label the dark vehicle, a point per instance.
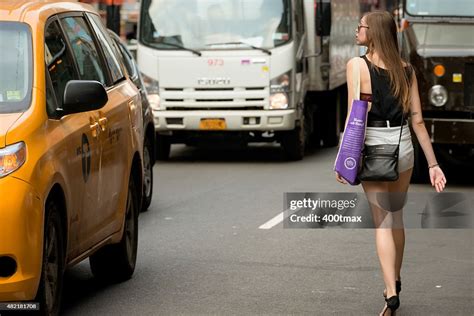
(148, 124)
(438, 40)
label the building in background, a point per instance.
(121, 16)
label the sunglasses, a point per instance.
(359, 26)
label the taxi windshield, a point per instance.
(215, 24)
(15, 67)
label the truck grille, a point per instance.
(238, 98)
(469, 85)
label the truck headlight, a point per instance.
(438, 95)
(11, 158)
(153, 91)
(280, 92)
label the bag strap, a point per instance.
(401, 128)
(356, 80)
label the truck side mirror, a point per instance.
(323, 18)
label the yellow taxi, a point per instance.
(71, 148)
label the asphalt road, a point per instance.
(201, 250)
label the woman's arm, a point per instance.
(418, 124)
(350, 97)
(350, 86)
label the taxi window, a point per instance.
(108, 47)
(84, 49)
(15, 67)
(59, 62)
(126, 58)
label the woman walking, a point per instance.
(390, 86)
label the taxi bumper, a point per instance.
(21, 239)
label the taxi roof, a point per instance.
(18, 10)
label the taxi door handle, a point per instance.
(103, 123)
(94, 126)
(132, 106)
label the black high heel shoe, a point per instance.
(393, 303)
(398, 288)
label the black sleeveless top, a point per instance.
(385, 106)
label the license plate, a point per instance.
(212, 124)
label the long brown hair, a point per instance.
(382, 38)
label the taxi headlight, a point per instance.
(280, 92)
(11, 158)
(438, 95)
(152, 90)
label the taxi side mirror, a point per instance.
(83, 95)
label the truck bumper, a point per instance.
(264, 120)
(21, 239)
(451, 131)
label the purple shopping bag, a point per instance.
(350, 150)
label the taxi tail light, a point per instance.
(11, 158)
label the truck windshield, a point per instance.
(447, 35)
(15, 67)
(440, 7)
(199, 24)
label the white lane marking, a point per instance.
(277, 219)
(273, 222)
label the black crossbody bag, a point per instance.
(380, 162)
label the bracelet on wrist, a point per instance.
(433, 165)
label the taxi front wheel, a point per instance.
(116, 263)
(52, 271)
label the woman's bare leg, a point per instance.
(398, 231)
(385, 243)
(386, 201)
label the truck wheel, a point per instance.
(293, 143)
(420, 169)
(116, 263)
(163, 146)
(52, 268)
(148, 174)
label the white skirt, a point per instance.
(390, 135)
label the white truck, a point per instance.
(252, 70)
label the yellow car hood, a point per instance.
(6, 121)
